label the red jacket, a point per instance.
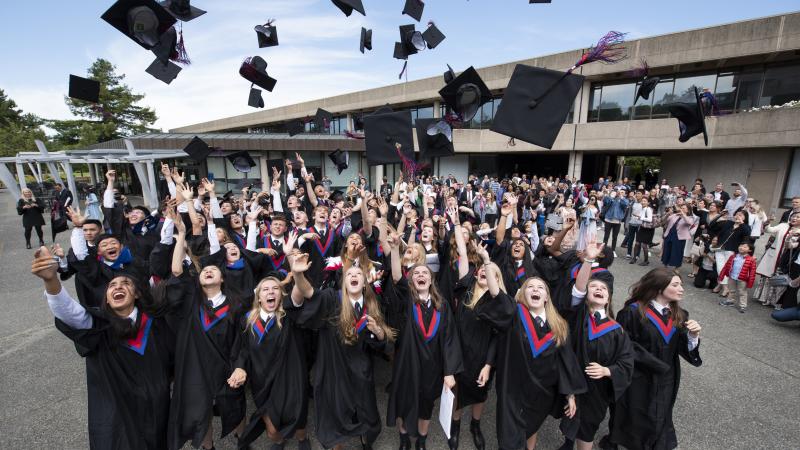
(748, 272)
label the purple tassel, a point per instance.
(642, 70)
(180, 48)
(609, 50)
(431, 23)
(353, 135)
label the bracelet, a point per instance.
(589, 260)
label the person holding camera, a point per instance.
(31, 209)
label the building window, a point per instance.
(685, 86)
(781, 85)
(662, 96)
(617, 102)
(594, 103)
(792, 188)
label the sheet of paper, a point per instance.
(446, 410)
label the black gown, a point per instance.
(513, 274)
(533, 374)
(345, 405)
(605, 343)
(128, 381)
(478, 341)
(204, 360)
(427, 350)
(643, 415)
(275, 363)
(243, 276)
(329, 244)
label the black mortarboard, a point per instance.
(255, 100)
(366, 39)
(433, 36)
(691, 120)
(539, 1)
(197, 149)
(411, 42)
(164, 72)
(645, 88)
(84, 89)
(322, 119)
(358, 121)
(267, 35)
(347, 6)
(382, 132)
(450, 75)
(254, 70)
(294, 127)
(144, 21)
(466, 93)
(182, 10)
(413, 8)
(340, 159)
(166, 45)
(535, 104)
(433, 139)
(241, 161)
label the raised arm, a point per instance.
(397, 267)
(505, 212)
(108, 194)
(302, 288)
(64, 307)
(461, 246)
(179, 252)
(365, 197)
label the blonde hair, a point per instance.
(362, 259)
(557, 323)
(255, 311)
(420, 261)
(33, 197)
(347, 314)
(477, 292)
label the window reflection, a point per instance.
(616, 102)
(748, 91)
(642, 107)
(594, 103)
(662, 96)
(684, 86)
(781, 85)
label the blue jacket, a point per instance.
(615, 208)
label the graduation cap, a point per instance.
(539, 1)
(84, 89)
(366, 39)
(646, 87)
(322, 119)
(413, 8)
(254, 70)
(255, 100)
(383, 131)
(267, 35)
(358, 121)
(340, 159)
(294, 127)
(197, 149)
(691, 120)
(144, 21)
(165, 72)
(449, 75)
(347, 6)
(411, 42)
(182, 10)
(165, 48)
(434, 138)
(466, 94)
(241, 161)
(433, 36)
(535, 104)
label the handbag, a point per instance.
(779, 280)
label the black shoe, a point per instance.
(606, 443)
(632, 260)
(305, 444)
(405, 441)
(568, 444)
(421, 442)
(28, 245)
(477, 434)
(455, 430)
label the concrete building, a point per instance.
(747, 65)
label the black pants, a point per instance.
(704, 275)
(611, 228)
(630, 238)
(38, 233)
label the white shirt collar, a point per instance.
(426, 302)
(543, 316)
(601, 311)
(359, 300)
(217, 300)
(134, 314)
(265, 316)
(658, 306)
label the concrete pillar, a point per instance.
(350, 125)
(264, 172)
(53, 168)
(36, 171)
(141, 173)
(378, 180)
(575, 164)
(92, 174)
(8, 179)
(21, 176)
(582, 103)
(437, 109)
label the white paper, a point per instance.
(446, 410)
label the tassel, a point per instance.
(511, 142)
(452, 119)
(405, 65)
(181, 56)
(608, 49)
(642, 70)
(353, 135)
(410, 166)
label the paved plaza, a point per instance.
(745, 395)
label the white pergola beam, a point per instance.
(10, 182)
(53, 169)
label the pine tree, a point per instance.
(17, 129)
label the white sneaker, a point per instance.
(615, 254)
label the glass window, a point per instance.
(571, 113)
(594, 103)
(792, 188)
(487, 114)
(748, 91)
(617, 102)
(781, 85)
(216, 170)
(425, 112)
(662, 96)
(642, 107)
(341, 180)
(725, 92)
(684, 87)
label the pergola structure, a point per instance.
(143, 162)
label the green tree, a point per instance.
(17, 129)
(116, 115)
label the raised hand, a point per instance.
(453, 214)
(253, 215)
(176, 176)
(481, 251)
(291, 239)
(383, 207)
(299, 159)
(44, 266)
(298, 261)
(592, 250)
(75, 216)
(57, 250)
(111, 176)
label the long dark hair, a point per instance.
(121, 327)
(650, 286)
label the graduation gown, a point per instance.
(533, 374)
(427, 351)
(95, 274)
(643, 415)
(128, 381)
(140, 239)
(478, 342)
(345, 405)
(241, 277)
(605, 343)
(277, 374)
(513, 274)
(328, 245)
(204, 360)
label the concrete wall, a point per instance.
(458, 165)
(763, 172)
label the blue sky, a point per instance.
(45, 41)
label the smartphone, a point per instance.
(210, 176)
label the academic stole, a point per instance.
(139, 343)
(323, 250)
(361, 323)
(538, 346)
(666, 330)
(261, 329)
(276, 262)
(209, 321)
(596, 331)
(433, 328)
